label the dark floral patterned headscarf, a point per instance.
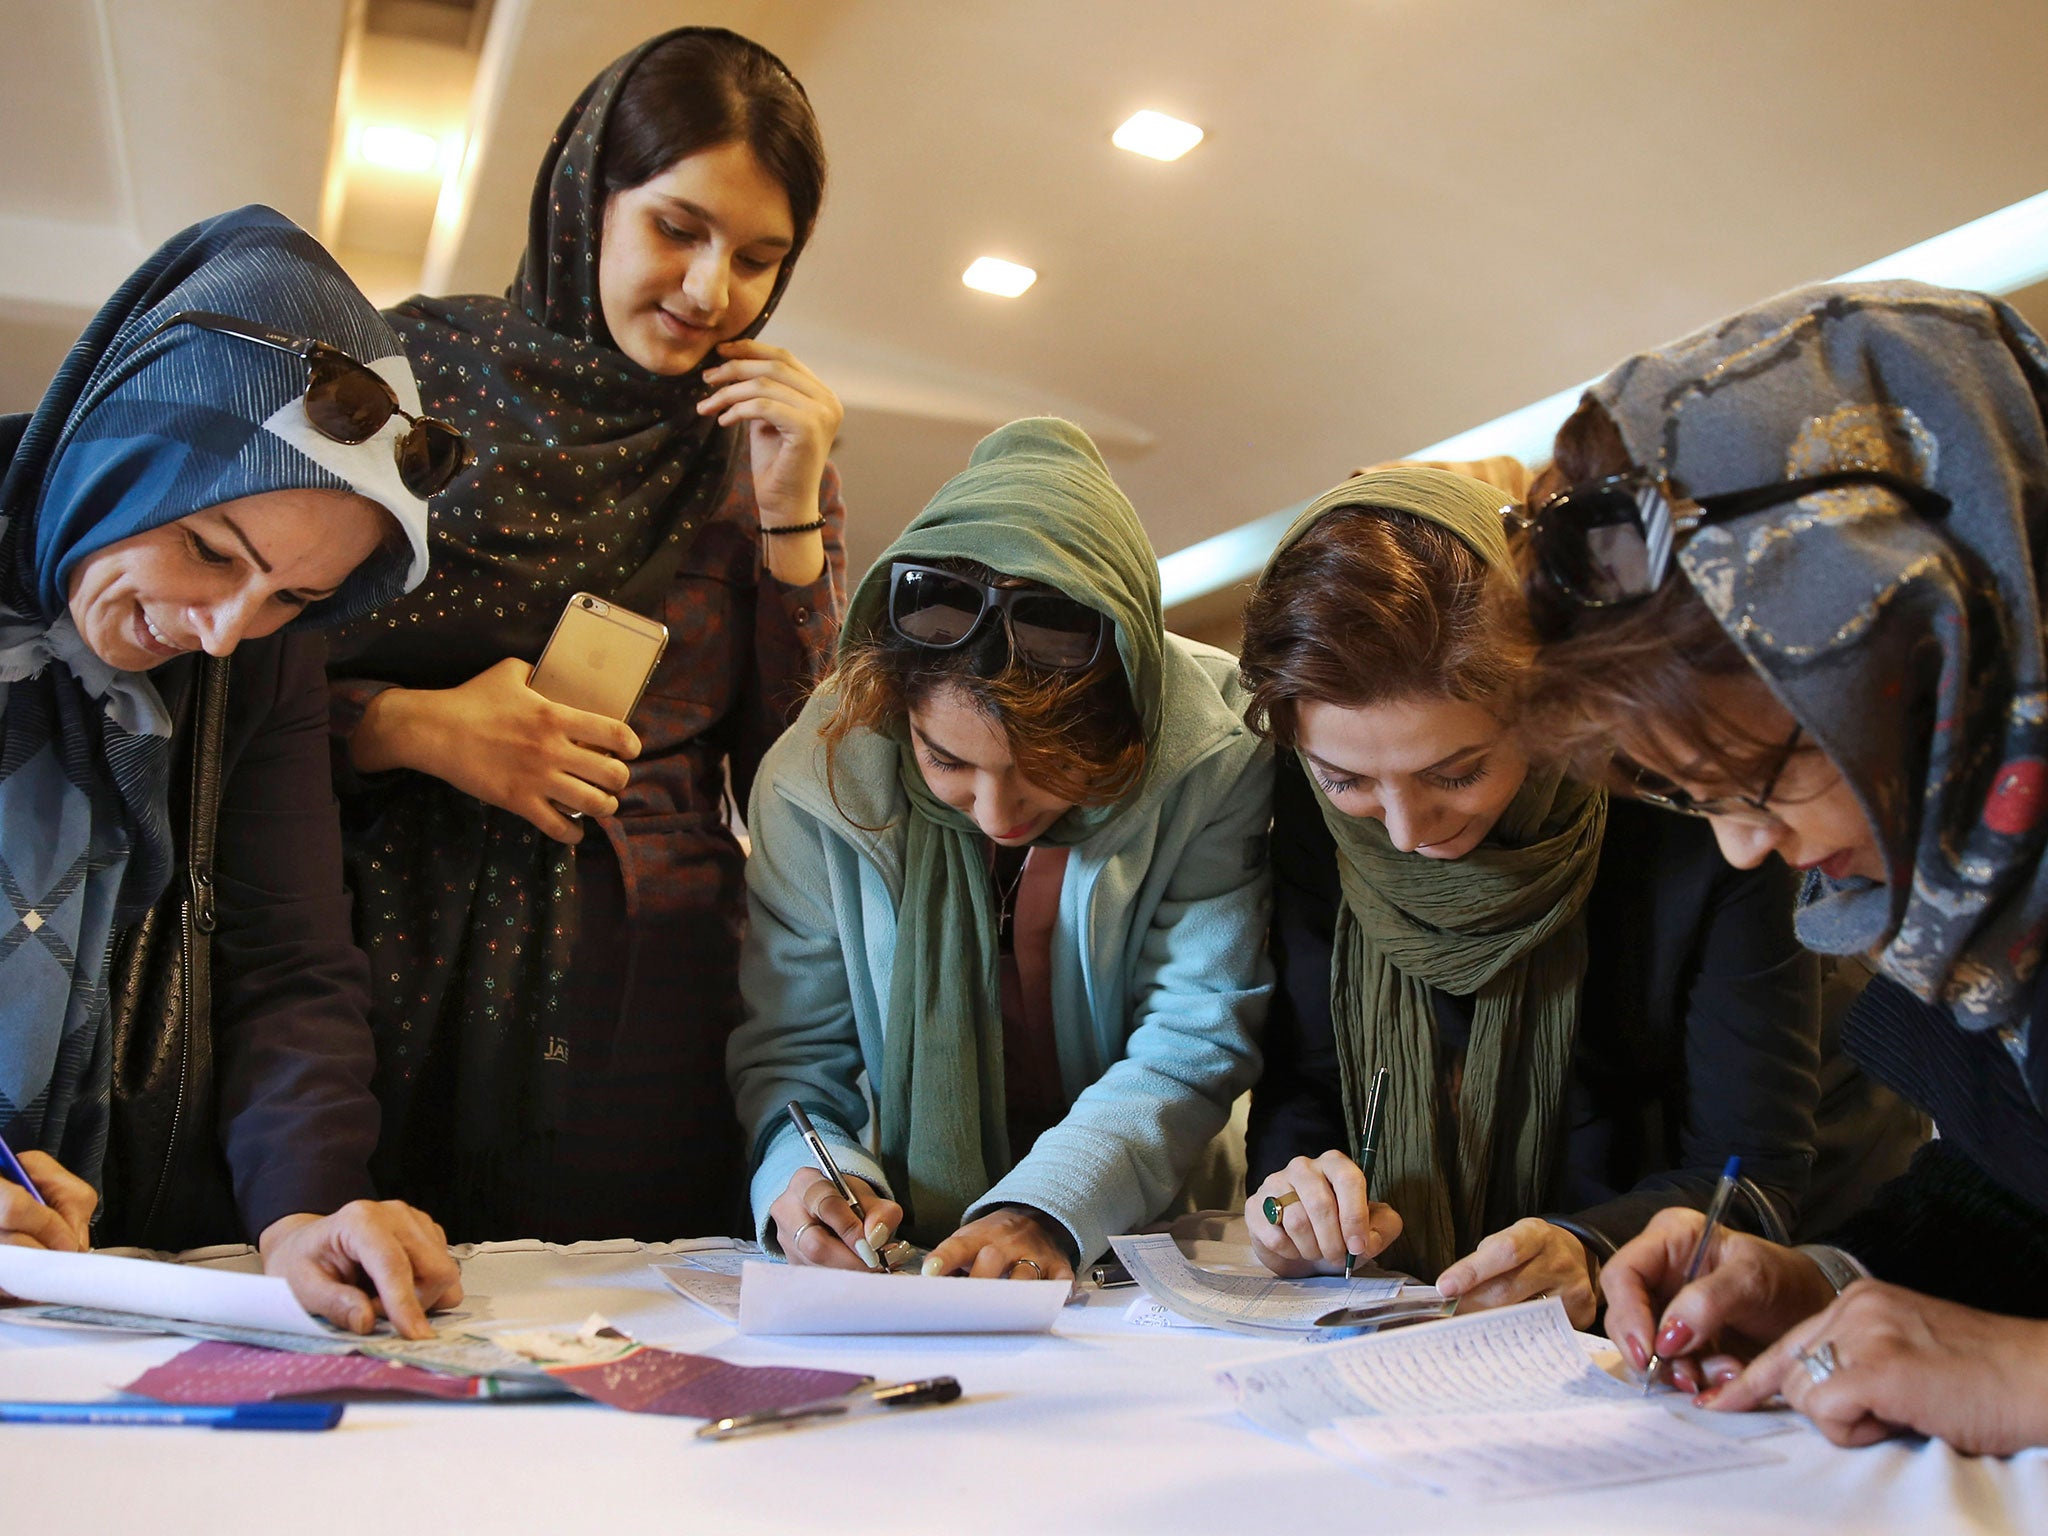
(1910, 650)
(586, 463)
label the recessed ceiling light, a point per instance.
(398, 149)
(1156, 135)
(992, 274)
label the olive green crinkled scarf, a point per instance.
(1504, 925)
(1035, 501)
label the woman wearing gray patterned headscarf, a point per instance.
(1788, 573)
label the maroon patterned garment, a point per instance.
(551, 1021)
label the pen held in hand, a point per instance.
(1369, 1147)
(10, 1167)
(1717, 1210)
(822, 1156)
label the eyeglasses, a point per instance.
(943, 610)
(1609, 544)
(350, 402)
(1654, 789)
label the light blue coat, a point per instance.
(1159, 969)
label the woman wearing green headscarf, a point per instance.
(1583, 1011)
(1009, 867)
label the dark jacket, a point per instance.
(1969, 1220)
(1698, 1024)
(290, 989)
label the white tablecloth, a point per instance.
(1097, 1427)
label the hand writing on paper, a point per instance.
(369, 1256)
(65, 1224)
(1749, 1293)
(814, 1226)
(495, 738)
(1328, 1218)
(1529, 1259)
(1014, 1243)
(1908, 1363)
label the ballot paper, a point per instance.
(1525, 1357)
(803, 1298)
(147, 1288)
(716, 1290)
(1493, 1405)
(1515, 1455)
(1259, 1304)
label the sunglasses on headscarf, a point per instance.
(942, 610)
(350, 402)
(1610, 544)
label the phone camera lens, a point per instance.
(590, 602)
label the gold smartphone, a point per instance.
(600, 657)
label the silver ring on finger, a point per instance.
(797, 1236)
(1036, 1272)
(1820, 1361)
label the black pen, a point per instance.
(900, 1395)
(1369, 1147)
(823, 1157)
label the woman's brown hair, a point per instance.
(1628, 678)
(1372, 605)
(1073, 734)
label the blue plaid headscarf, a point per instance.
(138, 430)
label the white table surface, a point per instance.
(1096, 1427)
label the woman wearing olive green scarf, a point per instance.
(1582, 1009)
(1009, 868)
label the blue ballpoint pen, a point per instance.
(10, 1165)
(1717, 1208)
(204, 1416)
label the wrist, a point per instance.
(788, 515)
(388, 735)
(282, 1228)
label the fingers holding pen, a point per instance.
(815, 1226)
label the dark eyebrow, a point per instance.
(1451, 757)
(1331, 768)
(310, 594)
(773, 242)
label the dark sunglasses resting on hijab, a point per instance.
(1906, 642)
(172, 494)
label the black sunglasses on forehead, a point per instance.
(942, 610)
(350, 402)
(1611, 543)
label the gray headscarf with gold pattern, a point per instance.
(1910, 649)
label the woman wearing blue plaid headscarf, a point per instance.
(189, 485)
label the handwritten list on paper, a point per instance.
(1495, 1405)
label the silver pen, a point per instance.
(823, 1158)
(862, 1400)
(1717, 1210)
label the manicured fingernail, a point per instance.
(1676, 1338)
(866, 1250)
(878, 1231)
(1726, 1374)
(1706, 1398)
(1638, 1356)
(931, 1265)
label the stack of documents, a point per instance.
(1491, 1406)
(1256, 1303)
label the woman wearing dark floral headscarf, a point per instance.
(193, 483)
(1794, 576)
(553, 995)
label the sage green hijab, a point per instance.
(1503, 925)
(1035, 501)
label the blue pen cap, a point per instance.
(1733, 1169)
(282, 1416)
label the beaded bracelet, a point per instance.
(810, 527)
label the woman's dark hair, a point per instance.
(1372, 605)
(1076, 735)
(709, 87)
(1626, 678)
